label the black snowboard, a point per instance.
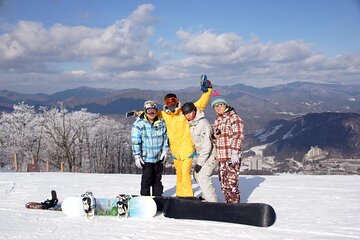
(254, 214)
(162, 201)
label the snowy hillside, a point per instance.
(308, 207)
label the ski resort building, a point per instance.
(315, 153)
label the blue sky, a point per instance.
(49, 46)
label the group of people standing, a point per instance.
(183, 131)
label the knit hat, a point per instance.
(150, 104)
(217, 98)
(170, 95)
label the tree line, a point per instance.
(79, 141)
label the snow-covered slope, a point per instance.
(308, 207)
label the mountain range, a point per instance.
(257, 106)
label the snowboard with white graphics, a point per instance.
(141, 206)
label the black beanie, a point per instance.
(169, 95)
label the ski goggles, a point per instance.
(219, 105)
(171, 101)
(151, 111)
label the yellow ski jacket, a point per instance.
(178, 129)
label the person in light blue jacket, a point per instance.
(149, 141)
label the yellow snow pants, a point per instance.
(183, 177)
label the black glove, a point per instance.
(216, 134)
(131, 114)
(197, 168)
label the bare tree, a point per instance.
(63, 131)
(84, 141)
(19, 134)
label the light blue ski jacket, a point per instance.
(148, 139)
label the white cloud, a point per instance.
(79, 73)
(125, 44)
(228, 57)
(9, 48)
(121, 55)
(207, 43)
(290, 51)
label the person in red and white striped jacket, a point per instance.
(228, 137)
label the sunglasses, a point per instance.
(151, 111)
(171, 101)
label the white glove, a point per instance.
(163, 155)
(139, 161)
(235, 158)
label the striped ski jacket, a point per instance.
(148, 139)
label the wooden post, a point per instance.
(47, 166)
(62, 166)
(15, 162)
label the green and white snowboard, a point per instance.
(140, 206)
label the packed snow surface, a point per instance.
(307, 207)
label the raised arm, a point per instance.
(202, 102)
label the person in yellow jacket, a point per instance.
(180, 141)
(181, 145)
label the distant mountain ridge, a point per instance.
(257, 106)
(336, 133)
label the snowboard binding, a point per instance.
(88, 201)
(123, 204)
(50, 203)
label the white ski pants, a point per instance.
(203, 178)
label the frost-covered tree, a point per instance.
(62, 131)
(20, 133)
(83, 141)
(84, 123)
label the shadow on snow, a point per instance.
(247, 185)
